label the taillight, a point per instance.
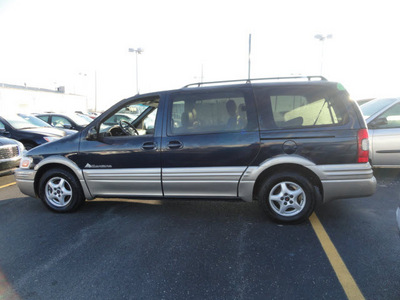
(363, 146)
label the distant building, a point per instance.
(15, 99)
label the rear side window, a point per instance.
(297, 107)
(210, 113)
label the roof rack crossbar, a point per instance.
(309, 78)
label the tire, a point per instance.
(29, 146)
(60, 191)
(287, 197)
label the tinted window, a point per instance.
(209, 112)
(44, 118)
(59, 121)
(297, 107)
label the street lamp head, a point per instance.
(321, 37)
(138, 50)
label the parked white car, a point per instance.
(383, 120)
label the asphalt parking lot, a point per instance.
(199, 249)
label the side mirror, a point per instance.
(92, 134)
(67, 126)
(378, 123)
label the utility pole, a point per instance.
(136, 51)
(248, 76)
(322, 39)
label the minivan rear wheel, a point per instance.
(287, 197)
(60, 191)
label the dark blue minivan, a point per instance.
(289, 143)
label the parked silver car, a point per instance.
(383, 120)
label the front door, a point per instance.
(124, 160)
(209, 140)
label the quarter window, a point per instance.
(300, 107)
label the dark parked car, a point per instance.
(38, 122)
(10, 154)
(68, 121)
(29, 134)
(383, 120)
(290, 144)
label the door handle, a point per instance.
(149, 146)
(175, 145)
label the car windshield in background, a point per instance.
(34, 120)
(80, 120)
(372, 107)
(19, 122)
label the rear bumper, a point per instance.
(346, 181)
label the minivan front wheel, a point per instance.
(287, 197)
(60, 191)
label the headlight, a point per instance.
(25, 162)
(51, 138)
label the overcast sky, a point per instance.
(49, 43)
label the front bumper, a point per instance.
(25, 179)
(8, 165)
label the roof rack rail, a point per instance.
(309, 78)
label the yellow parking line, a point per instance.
(346, 280)
(6, 185)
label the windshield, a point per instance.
(19, 122)
(372, 107)
(34, 120)
(80, 120)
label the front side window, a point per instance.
(59, 121)
(208, 113)
(299, 107)
(134, 118)
(390, 118)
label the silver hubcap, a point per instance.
(287, 198)
(58, 192)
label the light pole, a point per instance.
(322, 39)
(136, 51)
(95, 89)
